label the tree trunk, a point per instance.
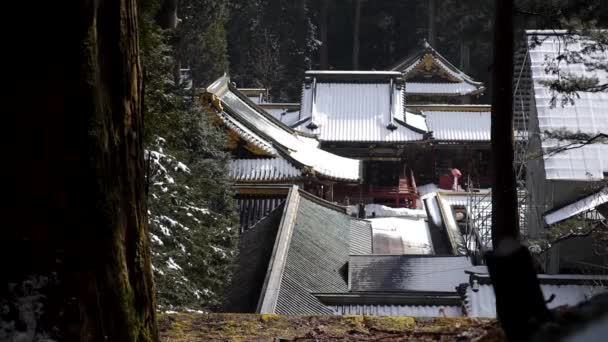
(520, 305)
(356, 25)
(324, 51)
(505, 223)
(76, 226)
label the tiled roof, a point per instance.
(399, 310)
(459, 125)
(263, 169)
(316, 258)
(355, 110)
(255, 249)
(360, 237)
(293, 146)
(247, 134)
(310, 255)
(587, 115)
(387, 273)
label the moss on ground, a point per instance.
(248, 327)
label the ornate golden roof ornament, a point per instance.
(427, 62)
(209, 100)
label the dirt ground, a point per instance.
(248, 327)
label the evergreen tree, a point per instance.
(190, 207)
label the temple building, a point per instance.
(370, 196)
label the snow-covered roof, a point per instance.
(263, 169)
(356, 109)
(480, 300)
(456, 88)
(459, 125)
(287, 113)
(587, 115)
(401, 235)
(291, 145)
(457, 82)
(581, 206)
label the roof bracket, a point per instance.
(391, 126)
(312, 125)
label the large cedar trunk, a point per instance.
(520, 305)
(74, 243)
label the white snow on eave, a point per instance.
(301, 149)
(416, 120)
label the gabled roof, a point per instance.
(301, 150)
(587, 116)
(310, 255)
(355, 106)
(427, 59)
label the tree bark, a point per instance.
(505, 223)
(324, 50)
(76, 223)
(520, 305)
(356, 25)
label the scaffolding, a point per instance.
(522, 103)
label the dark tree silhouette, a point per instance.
(74, 244)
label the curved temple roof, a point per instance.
(296, 147)
(459, 83)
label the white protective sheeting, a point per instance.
(399, 310)
(459, 125)
(586, 204)
(587, 115)
(482, 303)
(263, 169)
(355, 112)
(460, 88)
(400, 235)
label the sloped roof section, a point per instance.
(389, 273)
(263, 169)
(355, 106)
(456, 126)
(586, 116)
(457, 82)
(295, 147)
(310, 256)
